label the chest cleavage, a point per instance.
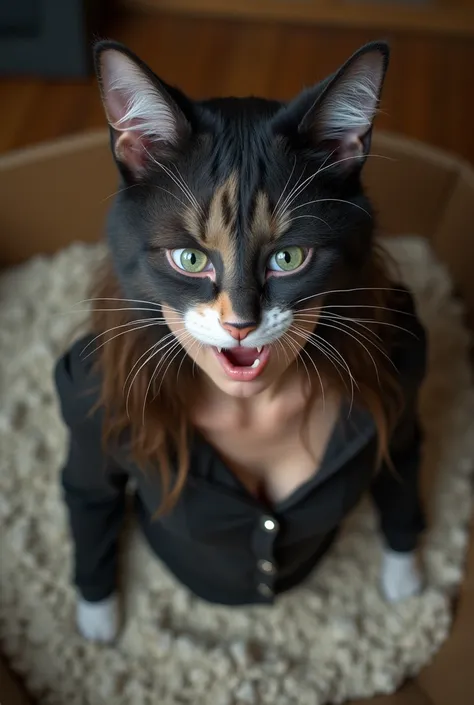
(272, 460)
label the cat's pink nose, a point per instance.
(239, 331)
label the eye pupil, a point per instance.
(193, 261)
(288, 260)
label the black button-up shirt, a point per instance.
(219, 540)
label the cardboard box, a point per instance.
(53, 194)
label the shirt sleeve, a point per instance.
(93, 484)
(395, 489)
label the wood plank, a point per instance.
(59, 108)
(427, 94)
(258, 46)
(17, 99)
(445, 16)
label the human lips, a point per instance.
(243, 364)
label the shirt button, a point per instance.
(266, 567)
(265, 590)
(269, 524)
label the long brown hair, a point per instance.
(153, 412)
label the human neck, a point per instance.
(291, 381)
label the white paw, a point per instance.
(98, 621)
(401, 576)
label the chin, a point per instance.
(241, 390)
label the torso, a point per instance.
(270, 454)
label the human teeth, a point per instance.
(259, 350)
(219, 350)
(256, 362)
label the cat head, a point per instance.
(235, 213)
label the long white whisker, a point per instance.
(324, 168)
(327, 159)
(349, 291)
(315, 217)
(115, 193)
(290, 194)
(284, 188)
(137, 362)
(284, 351)
(351, 335)
(147, 391)
(335, 318)
(112, 298)
(186, 353)
(124, 332)
(299, 187)
(105, 310)
(293, 346)
(296, 349)
(172, 176)
(331, 200)
(150, 382)
(300, 349)
(381, 308)
(334, 352)
(160, 345)
(308, 339)
(346, 326)
(347, 159)
(296, 191)
(277, 350)
(168, 353)
(318, 342)
(361, 321)
(154, 351)
(150, 357)
(378, 323)
(172, 346)
(200, 346)
(172, 194)
(133, 323)
(334, 356)
(126, 188)
(185, 185)
(171, 360)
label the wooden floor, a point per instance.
(428, 92)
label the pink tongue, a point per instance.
(241, 357)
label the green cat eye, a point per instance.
(287, 260)
(190, 260)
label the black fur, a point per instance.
(262, 141)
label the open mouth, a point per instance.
(243, 364)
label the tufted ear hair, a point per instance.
(144, 118)
(337, 116)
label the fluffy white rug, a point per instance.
(332, 639)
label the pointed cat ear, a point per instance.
(144, 118)
(340, 119)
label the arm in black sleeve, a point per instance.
(93, 485)
(395, 489)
